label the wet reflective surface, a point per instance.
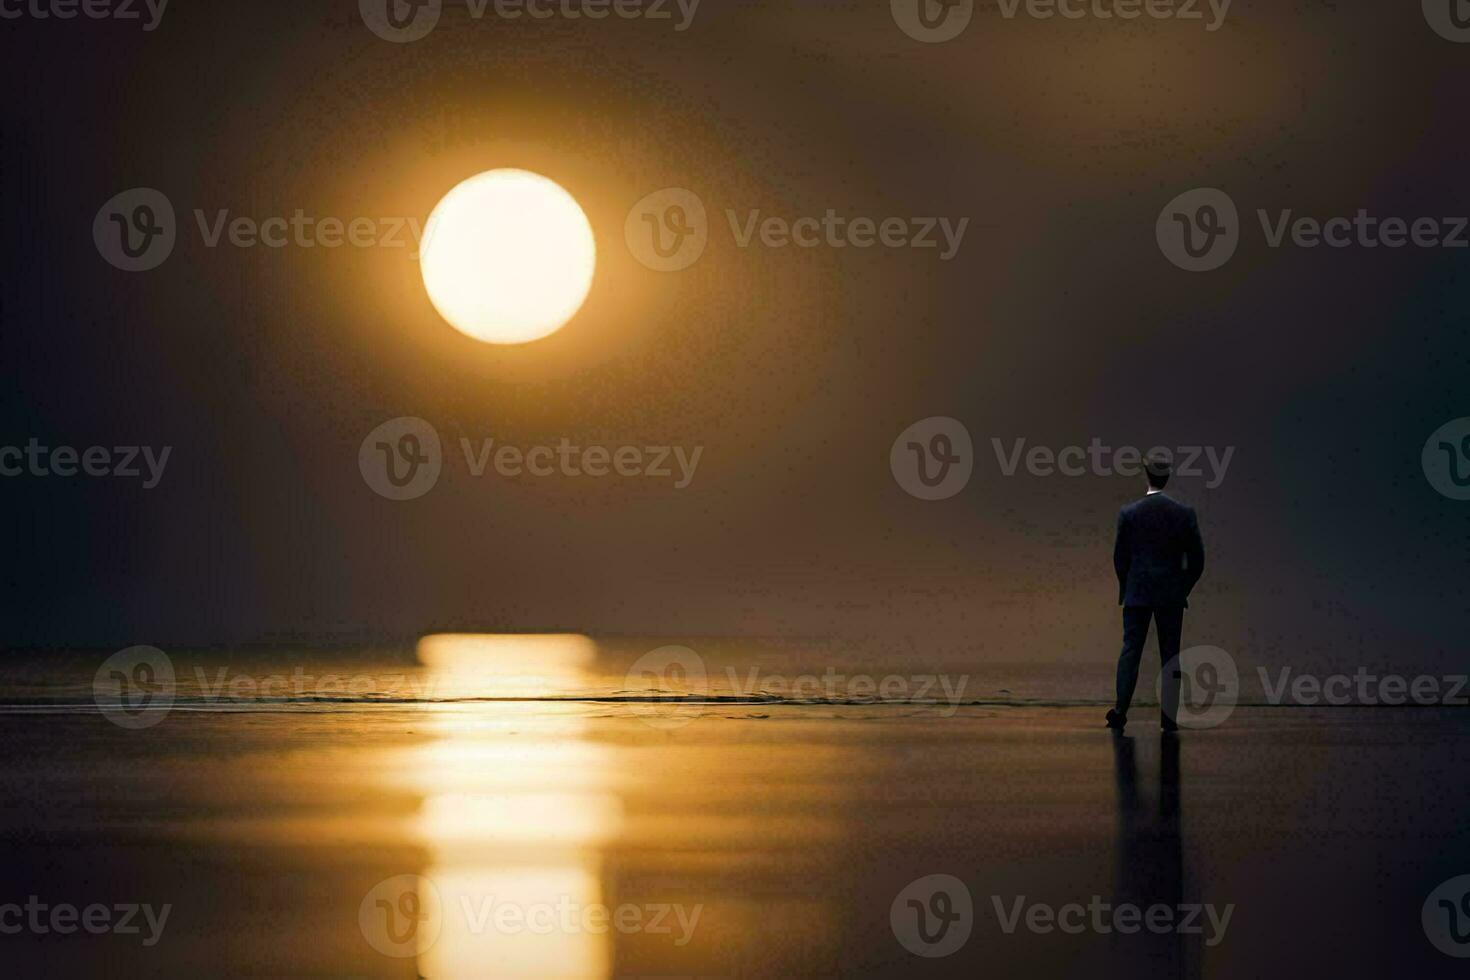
(600, 838)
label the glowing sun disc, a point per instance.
(508, 257)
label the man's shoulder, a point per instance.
(1178, 506)
(1181, 505)
(1155, 502)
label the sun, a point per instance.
(508, 257)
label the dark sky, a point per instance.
(1059, 320)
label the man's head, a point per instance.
(1158, 467)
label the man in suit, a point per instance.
(1159, 557)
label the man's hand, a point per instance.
(1122, 556)
(1194, 551)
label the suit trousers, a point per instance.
(1135, 633)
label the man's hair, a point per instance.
(1158, 466)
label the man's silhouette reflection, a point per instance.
(1150, 855)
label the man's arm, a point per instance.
(1194, 550)
(1122, 555)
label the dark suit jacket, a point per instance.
(1159, 555)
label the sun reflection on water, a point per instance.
(477, 665)
(517, 804)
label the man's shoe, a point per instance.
(1168, 725)
(1116, 721)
